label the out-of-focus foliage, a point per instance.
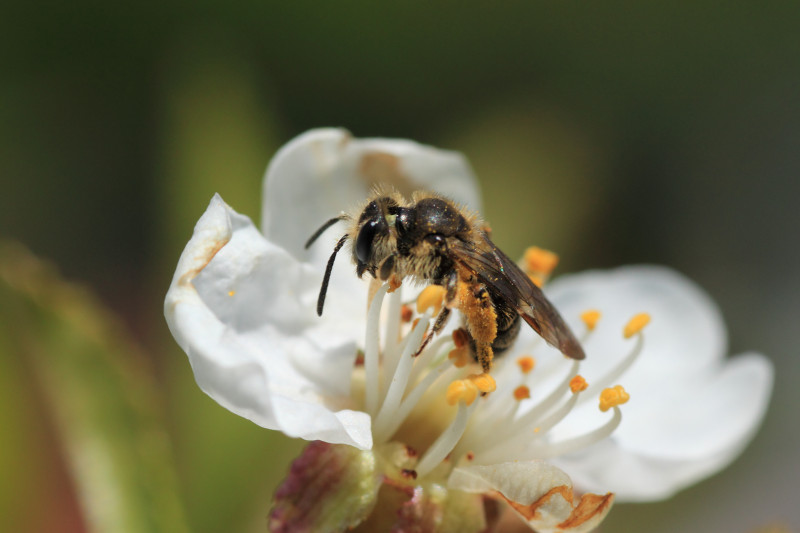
(101, 402)
(613, 132)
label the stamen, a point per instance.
(613, 397)
(460, 356)
(391, 343)
(636, 324)
(540, 261)
(461, 390)
(399, 382)
(446, 441)
(394, 283)
(578, 384)
(590, 318)
(526, 363)
(431, 296)
(614, 374)
(580, 442)
(522, 393)
(536, 280)
(406, 313)
(460, 337)
(484, 382)
(371, 355)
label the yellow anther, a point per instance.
(578, 384)
(461, 390)
(613, 397)
(590, 317)
(431, 296)
(460, 337)
(636, 324)
(540, 261)
(231, 293)
(537, 280)
(526, 363)
(522, 393)
(459, 356)
(484, 382)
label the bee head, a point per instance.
(372, 241)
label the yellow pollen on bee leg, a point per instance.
(431, 296)
(590, 317)
(636, 324)
(578, 384)
(461, 390)
(526, 363)
(539, 260)
(522, 393)
(459, 356)
(612, 397)
(484, 382)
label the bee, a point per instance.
(431, 239)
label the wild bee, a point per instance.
(433, 240)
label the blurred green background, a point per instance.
(619, 132)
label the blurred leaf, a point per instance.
(103, 405)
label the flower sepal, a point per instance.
(335, 488)
(330, 487)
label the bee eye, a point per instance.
(365, 238)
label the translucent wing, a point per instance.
(494, 269)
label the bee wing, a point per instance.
(494, 269)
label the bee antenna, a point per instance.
(322, 229)
(324, 289)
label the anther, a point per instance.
(394, 283)
(522, 393)
(578, 384)
(540, 261)
(460, 337)
(612, 397)
(590, 318)
(461, 390)
(484, 382)
(431, 296)
(636, 324)
(406, 313)
(537, 280)
(459, 356)
(231, 293)
(526, 363)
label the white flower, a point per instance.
(242, 306)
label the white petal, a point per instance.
(322, 172)
(697, 431)
(538, 491)
(242, 309)
(686, 333)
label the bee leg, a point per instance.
(451, 289)
(450, 285)
(441, 321)
(481, 321)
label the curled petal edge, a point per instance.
(539, 492)
(224, 368)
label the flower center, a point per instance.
(438, 402)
